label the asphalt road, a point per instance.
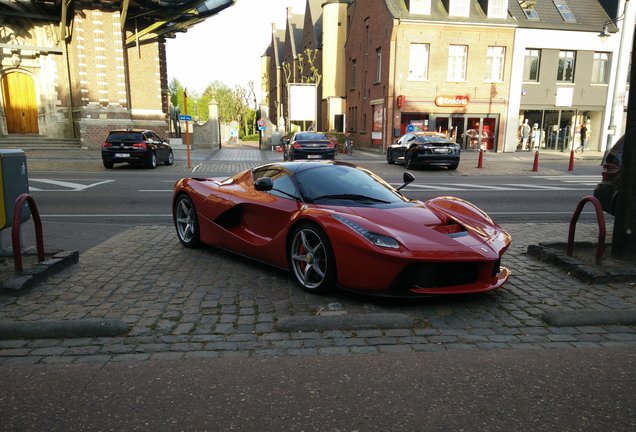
(80, 210)
(504, 390)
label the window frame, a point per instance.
(496, 60)
(561, 69)
(453, 64)
(600, 75)
(378, 65)
(419, 7)
(497, 9)
(459, 8)
(413, 63)
(565, 11)
(528, 78)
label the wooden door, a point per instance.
(20, 106)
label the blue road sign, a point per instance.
(185, 117)
(410, 128)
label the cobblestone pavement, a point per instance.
(184, 303)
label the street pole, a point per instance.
(185, 107)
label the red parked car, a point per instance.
(337, 224)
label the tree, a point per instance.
(624, 236)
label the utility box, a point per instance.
(14, 181)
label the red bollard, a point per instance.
(571, 166)
(480, 161)
(535, 165)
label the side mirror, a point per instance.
(264, 184)
(406, 178)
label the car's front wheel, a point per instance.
(389, 157)
(311, 259)
(186, 222)
(408, 160)
(170, 159)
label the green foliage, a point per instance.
(234, 104)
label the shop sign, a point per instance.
(452, 101)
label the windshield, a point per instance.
(125, 136)
(345, 183)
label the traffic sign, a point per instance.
(410, 128)
(185, 117)
(260, 122)
(261, 128)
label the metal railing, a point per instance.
(600, 219)
(15, 230)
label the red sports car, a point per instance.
(337, 224)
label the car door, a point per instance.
(160, 148)
(267, 215)
(401, 147)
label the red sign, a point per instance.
(452, 101)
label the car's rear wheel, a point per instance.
(186, 222)
(108, 164)
(389, 157)
(311, 259)
(170, 159)
(152, 161)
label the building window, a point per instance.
(564, 10)
(420, 7)
(528, 9)
(459, 8)
(378, 65)
(566, 66)
(600, 67)
(495, 59)
(531, 65)
(457, 55)
(354, 74)
(498, 9)
(418, 61)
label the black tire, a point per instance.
(184, 216)
(453, 167)
(389, 157)
(170, 159)
(311, 259)
(108, 164)
(408, 160)
(152, 161)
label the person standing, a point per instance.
(583, 135)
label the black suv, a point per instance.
(135, 147)
(607, 189)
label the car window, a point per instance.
(431, 139)
(310, 136)
(284, 186)
(615, 155)
(125, 136)
(333, 180)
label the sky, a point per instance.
(228, 46)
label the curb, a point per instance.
(342, 322)
(40, 272)
(554, 253)
(62, 329)
(578, 318)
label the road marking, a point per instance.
(118, 215)
(71, 187)
(155, 190)
(465, 187)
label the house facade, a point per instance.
(75, 70)
(477, 70)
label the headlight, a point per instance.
(375, 238)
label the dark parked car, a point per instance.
(310, 145)
(607, 189)
(136, 147)
(424, 149)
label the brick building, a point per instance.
(71, 71)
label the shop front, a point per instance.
(561, 130)
(470, 131)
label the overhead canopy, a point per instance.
(148, 20)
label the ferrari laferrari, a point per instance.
(334, 224)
